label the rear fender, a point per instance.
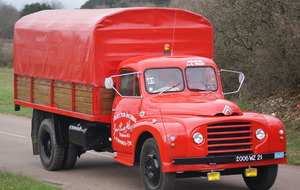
(61, 124)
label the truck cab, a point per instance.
(170, 115)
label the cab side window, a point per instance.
(129, 85)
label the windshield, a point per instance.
(162, 80)
(201, 79)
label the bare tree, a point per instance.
(55, 4)
(8, 16)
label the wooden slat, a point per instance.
(62, 90)
(83, 110)
(62, 101)
(42, 97)
(83, 87)
(107, 96)
(41, 102)
(23, 88)
(106, 91)
(42, 91)
(64, 106)
(104, 107)
(23, 93)
(83, 99)
(23, 83)
(81, 93)
(83, 105)
(62, 84)
(23, 78)
(23, 98)
(41, 87)
(62, 96)
(41, 81)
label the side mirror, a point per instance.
(109, 83)
(241, 80)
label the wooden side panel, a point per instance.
(62, 96)
(107, 97)
(23, 88)
(83, 98)
(41, 91)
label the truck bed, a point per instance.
(72, 99)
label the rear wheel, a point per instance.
(151, 169)
(51, 154)
(70, 158)
(266, 176)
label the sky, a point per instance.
(68, 4)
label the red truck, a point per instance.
(105, 80)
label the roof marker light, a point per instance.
(167, 49)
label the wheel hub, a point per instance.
(47, 145)
(152, 170)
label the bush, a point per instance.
(6, 53)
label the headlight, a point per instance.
(260, 134)
(198, 138)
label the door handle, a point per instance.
(114, 110)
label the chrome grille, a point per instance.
(229, 138)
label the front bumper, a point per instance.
(229, 159)
(223, 162)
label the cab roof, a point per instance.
(160, 61)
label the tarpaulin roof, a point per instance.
(85, 46)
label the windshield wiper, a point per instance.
(166, 90)
(197, 89)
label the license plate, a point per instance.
(213, 176)
(249, 158)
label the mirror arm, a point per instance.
(115, 89)
(241, 82)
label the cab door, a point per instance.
(126, 109)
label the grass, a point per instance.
(6, 95)
(18, 182)
(293, 141)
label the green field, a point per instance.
(17, 182)
(6, 95)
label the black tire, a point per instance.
(266, 176)
(151, 171)
(51, 154)
(70, 159)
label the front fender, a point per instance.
(162, 130)
(277, 141)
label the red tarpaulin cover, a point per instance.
(86, 46)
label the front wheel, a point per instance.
(266, 176)
(151, 170)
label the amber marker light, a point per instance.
(167, 49)
(173, 145)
